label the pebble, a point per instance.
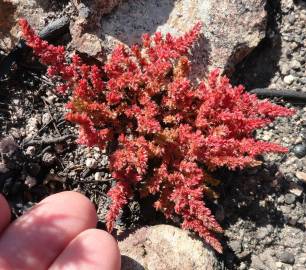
(48, 158)
(295, 65)
(104, 160)
(257, 263)
(32, 125)
(91, 163)
(242, 266)
(299, 150)
(296, 189)
(262, 233)
(289, 79)
(30, 181)
(46, 118)
(97, 156)
(236, 246)
(278, 264)
(287, 257)
(99, 176)
(289, 198)
(30, 151)
(301, 176)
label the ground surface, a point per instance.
(262, 210)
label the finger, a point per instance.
(91, 250)
(5, 213)
(34, 240)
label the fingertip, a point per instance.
(82, 205)
(91, 249)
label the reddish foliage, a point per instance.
(169, 132)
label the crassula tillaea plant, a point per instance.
(167, 133)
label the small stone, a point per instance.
(236, 246)
(267, 135)
(99, 176)
(281, 199)
(278, 264)
(48, 158)
(46, 118)
(289, 79)
(301, 176)
(257, 263)
(285, 69)
(104, 161)
(97, 156)
(287, 257)
(32, 125)
(299, 150)
(30, 151)
(295, 65)
(296, 189)
(291, 18)
(289, 198)
(91, 163)
(242, 266)
(30, 181)
(262, 233)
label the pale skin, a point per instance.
(58, 233)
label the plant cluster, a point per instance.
(167, 133)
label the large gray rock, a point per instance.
(231, 28)
(164, 247)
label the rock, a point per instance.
(242, 266)
(30, 181)
(299, 150)
(99, 176)
(236, 246)
(30, 151)
(32, 126)
(278, 264)
(296, 189)
(91, 163)
(287, 257)
(46, 118)
(48, 158)
(262, 233)
(289, 79)
(93, 10)
(295, 64)
(90, 13)
(231, 29)
(257, 263)
(289, 198)
(164, 247)
(268, 259)
(301, 176)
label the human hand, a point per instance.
(58, 233)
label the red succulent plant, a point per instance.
(168, 132)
